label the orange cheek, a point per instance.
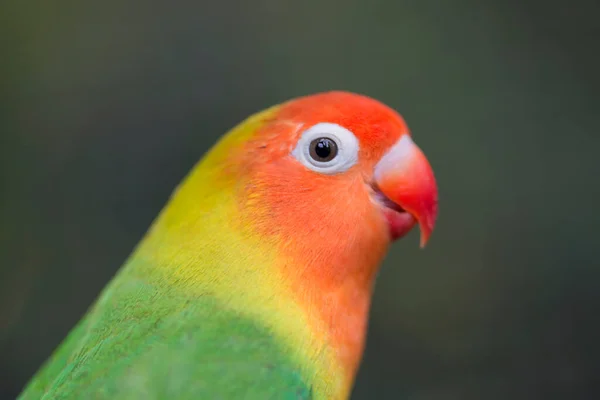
(327, 222)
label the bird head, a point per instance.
(335, 164)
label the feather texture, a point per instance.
(254, 281)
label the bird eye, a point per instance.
(323, 149)
(327, 148)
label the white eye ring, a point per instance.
(346, 142)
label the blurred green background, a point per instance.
(106, 105)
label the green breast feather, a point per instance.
(144, 343)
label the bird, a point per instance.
(255, 280)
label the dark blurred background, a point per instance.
(106, 105)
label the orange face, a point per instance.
(336, 162)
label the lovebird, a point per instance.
(255, 280)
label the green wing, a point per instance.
(138, 342)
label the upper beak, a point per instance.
(405, 177)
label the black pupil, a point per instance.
(323, 148)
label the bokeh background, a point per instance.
(106, 105)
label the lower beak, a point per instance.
(405, 177)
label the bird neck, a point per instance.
(200, 245)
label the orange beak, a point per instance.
(405, 177)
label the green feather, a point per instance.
(142, 342)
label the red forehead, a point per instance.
(374, 124)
